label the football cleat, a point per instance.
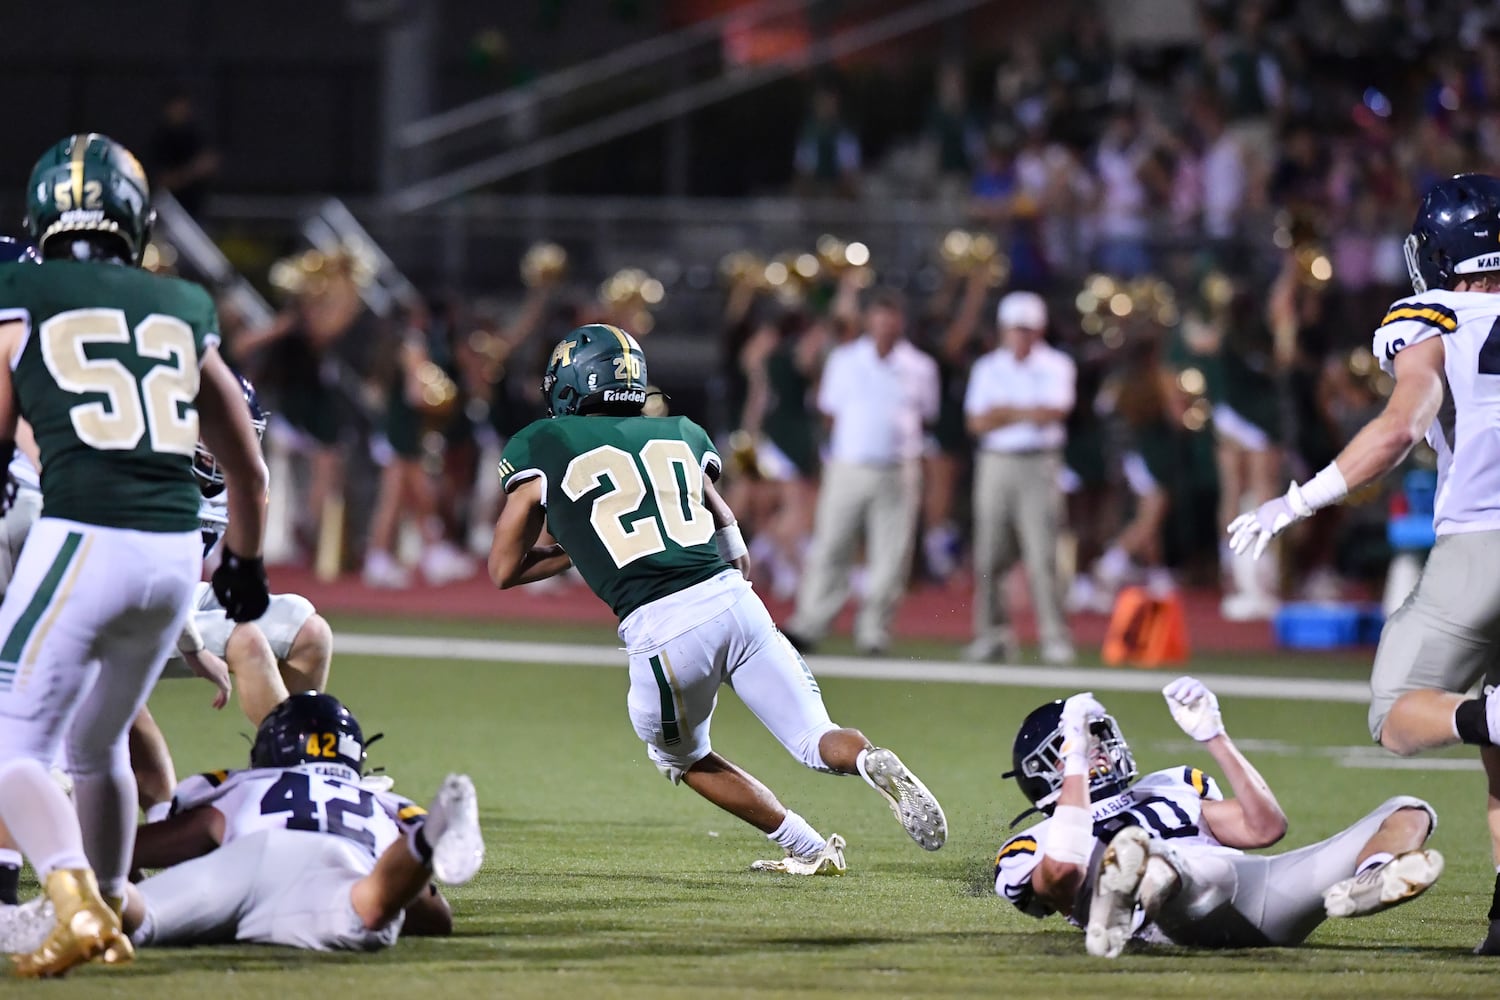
(828, 861)
(23, 928)
(1159, 884)
(1491, 943)
(916, 808)
(86, 927)
(1116, 890)
(452, 831)
(1404, 877)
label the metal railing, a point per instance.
(674, 104)
(331, 226)
(496, 108)
(203, 255)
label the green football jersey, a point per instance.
(107, 377)
(624, 497)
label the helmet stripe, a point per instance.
(75, 167)
(627, 343)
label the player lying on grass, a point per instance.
(1161, 859)
(292, 851)
(631, 501)
(289, 649)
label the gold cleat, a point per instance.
(87, 928)
(121, 951)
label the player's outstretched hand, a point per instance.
(1078, 711)
(1081, 709)
(1194, 708)
(241, 587)
(1252, 532)
(214, 670)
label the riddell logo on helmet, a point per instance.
(624, 395)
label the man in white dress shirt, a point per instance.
(1019, 396)
(878, 392)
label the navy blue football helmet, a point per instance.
(205, 467)
(1038, 766)
(15, 250)
(309, 728)
(1457, 232)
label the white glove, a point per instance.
(1195, 708)
(1252, 532)
(1078, 711)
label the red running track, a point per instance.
(927, 612)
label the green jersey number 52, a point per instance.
(120, 421)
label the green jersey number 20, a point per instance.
(675, 479)
(119, 422)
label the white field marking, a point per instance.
(1064, 679)
(1060, 679)
(1367, 758)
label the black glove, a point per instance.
(241, 587)
(8, 491)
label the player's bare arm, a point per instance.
(190, 834)
(726, 530)
(429, 915)
(1055, 880)
(1252, 818)
(515, 557)
(1070, 839)
(1384, 442)
(1378, 448)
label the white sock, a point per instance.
(1375, 861)
(10, 858)
(1492, 714)
(105, 799)
(40, 817)
(797, 837)
(158, 812)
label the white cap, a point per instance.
(1022, 309)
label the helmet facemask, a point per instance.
(1111, 764)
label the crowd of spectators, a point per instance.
(1213, 234)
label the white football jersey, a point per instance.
(1466, 433)
(1168, 804)
(213, 521)
(320, 798)
(23, 472)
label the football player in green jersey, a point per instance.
(631, 502)
(112, 367)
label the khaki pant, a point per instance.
(878, 503)
(1017, 510)
(1447, 634)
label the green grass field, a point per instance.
(603, 880)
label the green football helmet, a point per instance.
(596, 369)
(89, 199)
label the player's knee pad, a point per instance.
(674, 765)
(807, 748)
(1396, 803)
